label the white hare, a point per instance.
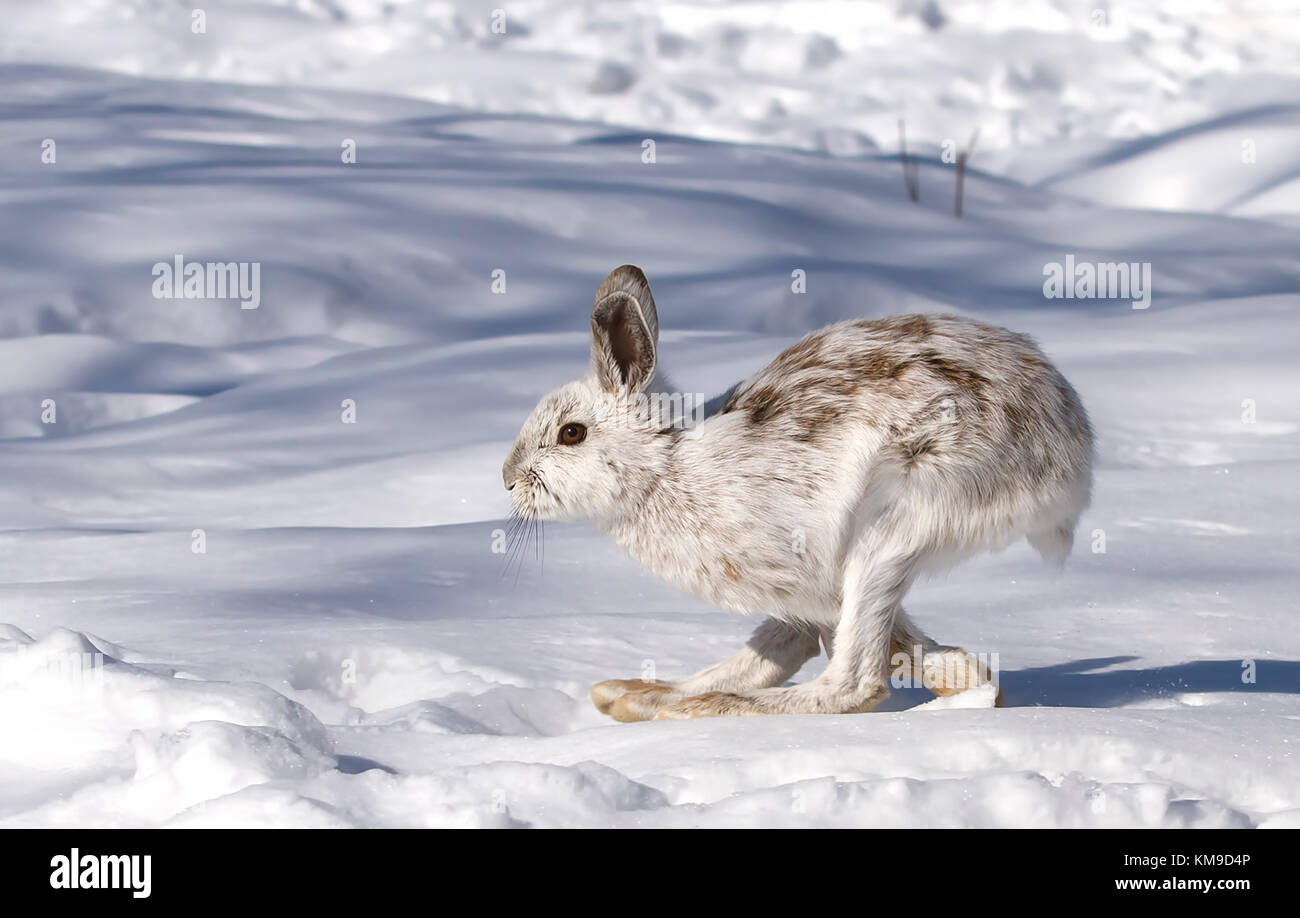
(813, 494)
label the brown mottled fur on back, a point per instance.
(948, 361)
(809, 384)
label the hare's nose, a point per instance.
(510, 470)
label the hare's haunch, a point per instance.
(813, 493)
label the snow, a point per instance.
(830, 75)
(349, 650)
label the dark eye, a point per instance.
(572, 434)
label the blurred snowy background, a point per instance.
(229, 606)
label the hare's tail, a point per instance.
(1055, 542)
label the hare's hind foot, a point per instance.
(710, 704)
(773, 654)
(604, 694)
(809, 698)
(630, 700)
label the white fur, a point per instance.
(864, 455)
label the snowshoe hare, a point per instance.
(813, 493)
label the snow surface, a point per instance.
(831, 75)
(349, 649)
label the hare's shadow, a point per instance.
(1094, 683)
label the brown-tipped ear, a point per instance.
(624, 331)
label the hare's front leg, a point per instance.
(944, 670)
(857, 677)
(773, 654)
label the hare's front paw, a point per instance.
(629, 700)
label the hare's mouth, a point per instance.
(533, 498)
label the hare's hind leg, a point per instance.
(944, 670)
(773, 654)
(877, 575)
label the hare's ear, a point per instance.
(624, 331)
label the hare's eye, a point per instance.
(572, 434)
